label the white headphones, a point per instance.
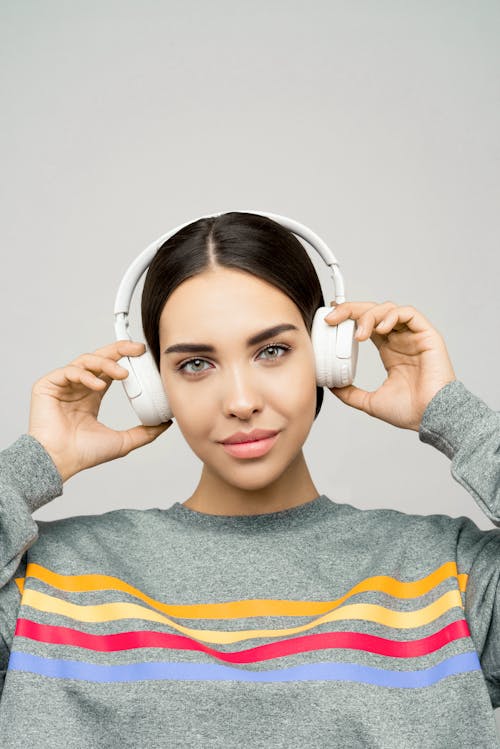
(335, 348)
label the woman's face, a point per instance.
(237, 386)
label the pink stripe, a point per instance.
(324, 640)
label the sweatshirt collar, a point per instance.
(292, 516)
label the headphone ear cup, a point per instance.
(144, 389)
(335, 350)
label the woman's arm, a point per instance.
(467, 430)
(28, 480)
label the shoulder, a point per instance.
(102, 530)
(385, 524)
(407, 545)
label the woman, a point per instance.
(258, 612)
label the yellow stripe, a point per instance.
(105, 612)
(252, 607)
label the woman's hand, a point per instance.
(413, 353)
(64, 408)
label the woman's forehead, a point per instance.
(223, 296)
(240, 314)
(225, 283)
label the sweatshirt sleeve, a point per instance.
(467, 430)
(28, 480)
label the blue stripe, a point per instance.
(62, 669)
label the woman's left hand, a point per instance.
(413, 353)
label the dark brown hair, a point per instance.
(244, 241)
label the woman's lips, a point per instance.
(254, 449)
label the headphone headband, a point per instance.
(141, 263)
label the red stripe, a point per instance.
(325, 640)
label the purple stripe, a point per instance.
(62, 669)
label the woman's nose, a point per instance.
(241, 394)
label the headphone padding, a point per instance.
(149, 399)
(335, 350)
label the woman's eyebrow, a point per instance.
(263, 335)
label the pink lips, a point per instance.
(255, 434)
(254, 449)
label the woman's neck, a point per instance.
(215, 496)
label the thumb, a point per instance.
(142, 435)
(353, 396)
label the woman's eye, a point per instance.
(191, 361)
(197, 361)
(275, 346)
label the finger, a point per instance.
(348, 309)
(398, 319)
(101, 366)
(142, 435)
(121, 348)
(110, 353)
(354, 397)
(391, 323)
(357, 311)
(71, 375)
(378, 321)
(371, 318)
(369, 315)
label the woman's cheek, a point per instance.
(188, 400)
(302, 381)
(181, 398)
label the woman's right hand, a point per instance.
(64, 408)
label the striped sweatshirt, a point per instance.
(323, 625)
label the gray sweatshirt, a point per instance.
(323, 625)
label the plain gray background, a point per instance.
(374, 123)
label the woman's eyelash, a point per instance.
(285, 347)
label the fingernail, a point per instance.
(360, 332)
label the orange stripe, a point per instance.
(249, 607)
